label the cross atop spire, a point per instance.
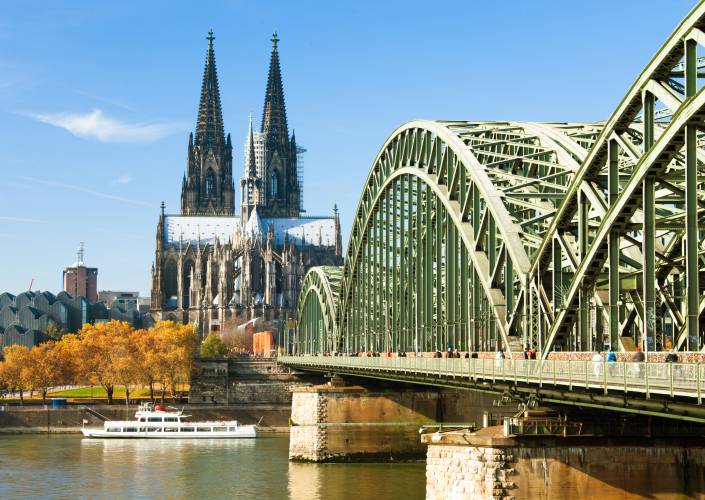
(274, 40)
(209, 127)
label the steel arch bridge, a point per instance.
(558, 236)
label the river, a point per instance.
(67, 466)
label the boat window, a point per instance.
(130, 429)
(187, 429)
(203, 429)
(232, 429)
(155, 419)
(170, 429)
(144, 429)
(142, 419)
(170, 419)
(219, 429)
(114, 429)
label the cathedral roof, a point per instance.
(209, 127)
(274, 124)
(189, 229)
(316, 231)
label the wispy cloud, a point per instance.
(73, 187)
(113, 102)
(96, 125)
(7, 218)
(123, 179)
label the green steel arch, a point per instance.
(316, 312)
(442, 241)
(649, 182)
(567, 236)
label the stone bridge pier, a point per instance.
(486, 464)
(366, 420)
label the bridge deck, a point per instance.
(682, 380)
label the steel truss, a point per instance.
(573, 236)
(317, 329)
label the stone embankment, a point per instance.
(484, 464)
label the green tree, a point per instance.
(54, 331)
(213, 347)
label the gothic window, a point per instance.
(186, 286)
(210, 184)
(170, 285)
(275, 184)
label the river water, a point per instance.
(67, 466)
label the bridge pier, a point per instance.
(334, 422)
(486, 464)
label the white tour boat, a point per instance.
(156, 422)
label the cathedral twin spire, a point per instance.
(209, 126)
(208, 184)
(274, 126)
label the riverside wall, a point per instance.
(38, 419)
(245, 381)
(481, 466)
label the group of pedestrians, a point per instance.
(598, 360)
(635, 368)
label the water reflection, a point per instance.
(357, 481)
(180, 460)
(71, 467)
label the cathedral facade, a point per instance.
(212, 264)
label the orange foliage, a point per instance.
(106, 354)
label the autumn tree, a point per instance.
(14, 368)
(4, 380)
(176, 348)
(147, 345)
(99, 364)
(46, 367)
(124, 360)
(70, 350)
(213, 347)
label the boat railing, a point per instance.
(95, 413)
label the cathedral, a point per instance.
(210, 264)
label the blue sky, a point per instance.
(97, 100)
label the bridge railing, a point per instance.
(673, 379)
